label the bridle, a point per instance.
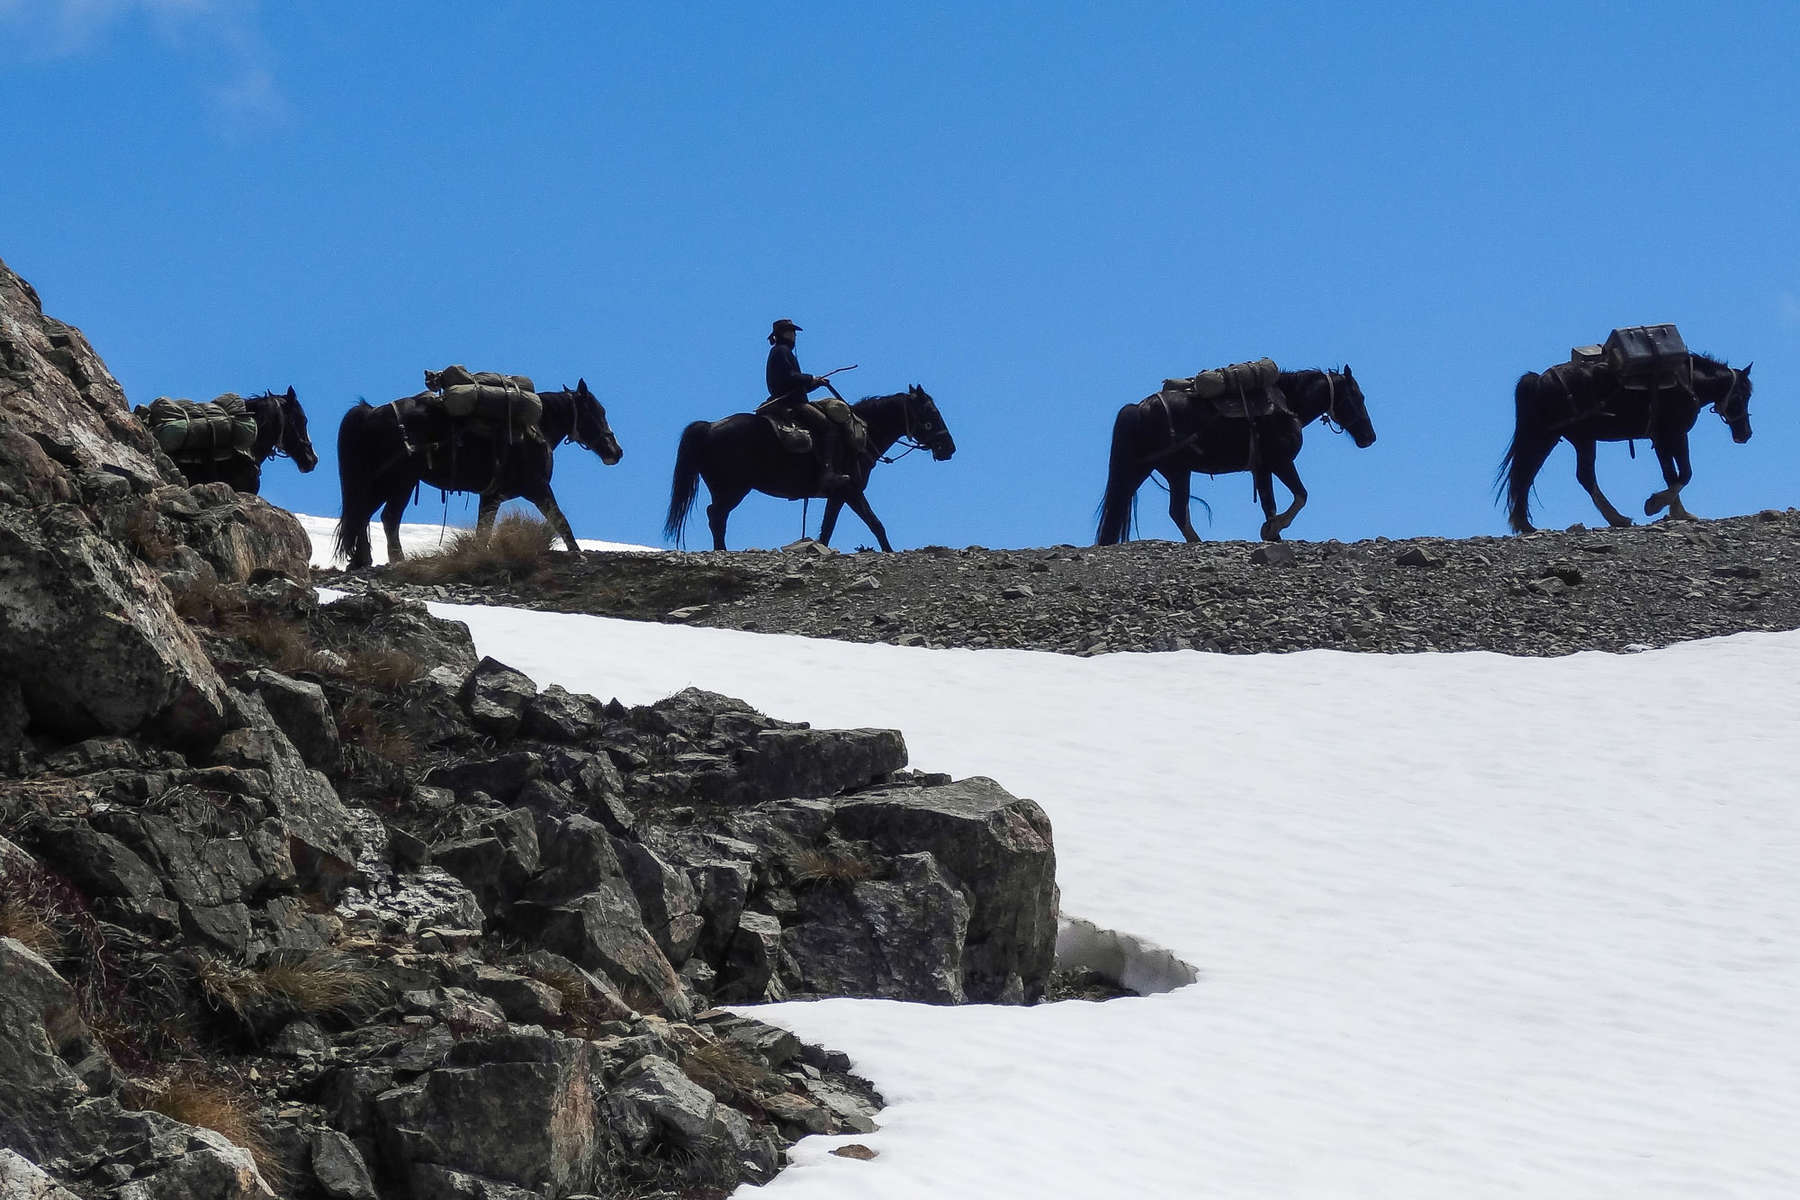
(1329, 417)
(276, 449)
(1718, 406)
(907, 435)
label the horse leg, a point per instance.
(1584, 475)
(828, 523)
(1678, 472)
(859, 504)
(1179, 481)
(1290, 479)
(391, 513)
(719, 511)
(546, 504)
(485, 513)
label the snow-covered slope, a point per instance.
(1464, 925)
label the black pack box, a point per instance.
(1649, 356)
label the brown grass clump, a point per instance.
(145, 536)
(830, 866)
(319, 984)
(286, 644)
(584, 1008)
(206, 601)
(726, 1070)
(360, 723)
(194, 1095)
(29, 925)
(381, 668)
(520, 545)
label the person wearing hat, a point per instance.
(788, 389)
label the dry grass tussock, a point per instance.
(520, 545)
(829, 866)
(585, 1008)
(29, 925)
(195, 1095)
(727, 1071)
(286, 644)
(380, 668)
(207, 601)
(321, 983)
(362, 724)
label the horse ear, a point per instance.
(1747, 367)
(291, 397)
(581, 385)
(1347, 374)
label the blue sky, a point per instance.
(1036, 211)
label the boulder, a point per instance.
(21, 1179)
(91, 638)
(898, 939)
(495, 696)
(300, 709)
(997, 849)
(517, 1108)
(806, 763)
(339, 1168)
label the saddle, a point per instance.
(194, 431)
(797, 439)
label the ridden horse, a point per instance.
(385, 453)
(1584, 404)
(280, 432)
(742, 453)
(1177, 438)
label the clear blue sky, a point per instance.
(1036, 211)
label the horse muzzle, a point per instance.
(1740, 433)
(610, 453)
(1364, 438)
(307, 461)
(941, 451)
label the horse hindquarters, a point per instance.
(1125, 473)
(1531, 444)
(357, 449)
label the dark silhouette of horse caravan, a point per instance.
(229, 439)
(385, 453)
(1180, 430)
(744, 452)
(1643, 384)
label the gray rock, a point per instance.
(339, 1168)
(687, 1114)
(556, 715)
(822, 762)
(898, 939)
(748, 974)
(299, 708)
(1418, 556)
(1274, 554)
(21, 1179)
(666, 898)
(997, 849)
(495, 696)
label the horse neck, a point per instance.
(559, 415)
(270, 424)
(885, 417)
(1308, 393)
(1713, 380)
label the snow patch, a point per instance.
(1127, 960)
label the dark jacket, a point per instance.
(785, 378)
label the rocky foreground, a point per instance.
(309, 901)
(1547, 593)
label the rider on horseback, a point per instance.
(788, 388)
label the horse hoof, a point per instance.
(1620, 523)
(1655, 504)
(1271, 533)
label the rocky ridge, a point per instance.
(311, 901)
(1545, 593)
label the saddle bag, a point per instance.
(193, 430)
(1245, 378)
(1649, 356)
(508, 401)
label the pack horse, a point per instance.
(1643, 383)
(492, 435)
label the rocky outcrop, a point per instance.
(310, 900)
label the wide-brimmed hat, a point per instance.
(784, 323)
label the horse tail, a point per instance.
(1524, 455)
(686, 483)
(1118, 505)
(355, 480)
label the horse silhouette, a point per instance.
(1583, 403)
(742, 453)
(385, 453)
(1186, 434)
(280, 433)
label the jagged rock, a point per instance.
(339, 1167)
(40, 1025)
(91, 639)
(576, 986)
(517, 1108)
(556, 715)
(501, 778)
(822, 762)
(603, 931)
(1274, 554)
(20, 1179)
(1418, 556)
(722, 887)
(665, 896)
(522, 998)
(995, 847)
(496, 867)
(300, 709)
(768, 1043)
(751, 960)
(593, 783)
(495, 696)
(686, 1113)
(899, 939)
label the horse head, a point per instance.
(294, 441)
(925, 424)
(589, 429)
(1727, 390)
(1349, 409)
